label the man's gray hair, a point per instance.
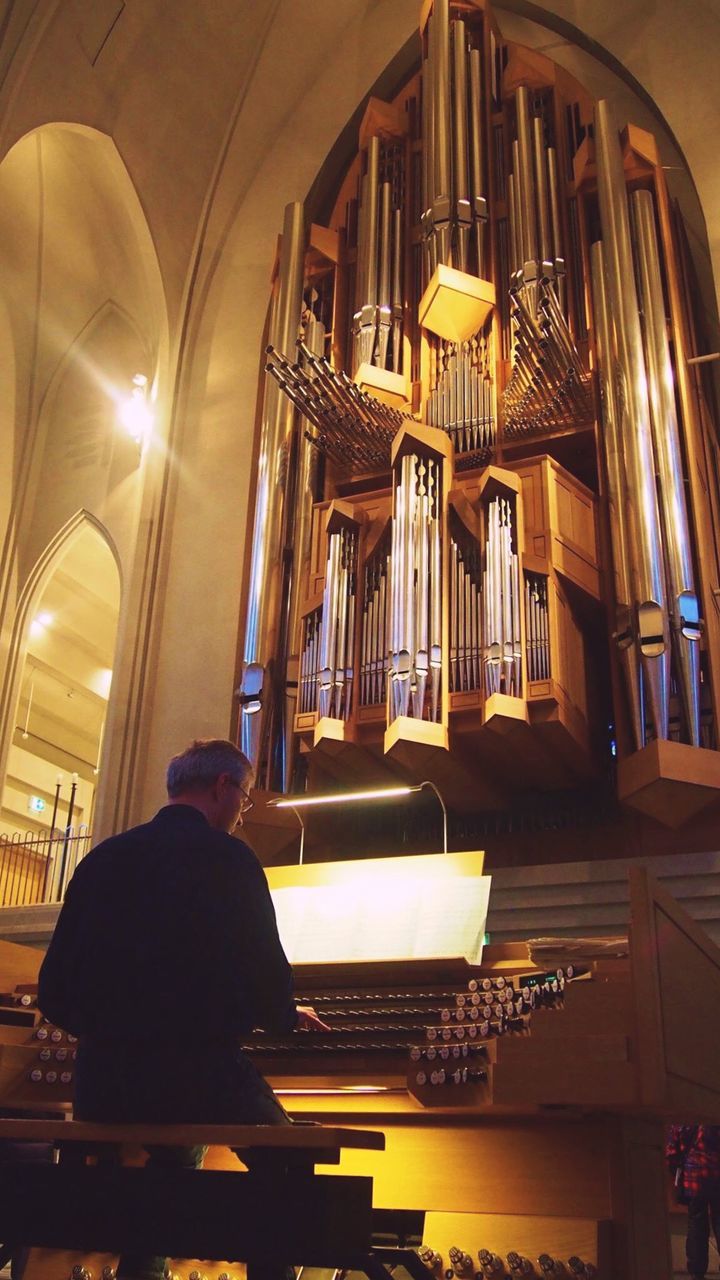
(200, 764)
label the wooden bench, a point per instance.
(280, 1212)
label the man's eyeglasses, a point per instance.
(247, 802)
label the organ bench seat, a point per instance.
(277, 1213)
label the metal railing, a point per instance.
(36, 867)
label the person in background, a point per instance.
(165, 956)
(692, 1154)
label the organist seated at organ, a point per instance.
(165, 955)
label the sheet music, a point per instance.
(423, 919)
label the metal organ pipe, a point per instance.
(501, 604)
(384, 308)
(454, 202)
(262, 625)
(337, 628)
(525, 193)
(685, 610)
(625, 631)
(558, 258)
(441, 130)
(366, 273)
(645, 540)
(415, 591)
(299, 534)
(541, 180)
(479, 202)
(460, 144)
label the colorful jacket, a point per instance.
(696, 1150)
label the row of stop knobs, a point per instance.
(514, 1265)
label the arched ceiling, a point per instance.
(167, 79)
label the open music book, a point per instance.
(426, 907)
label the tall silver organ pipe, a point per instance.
(645, 536)
(441, 130)
(558, 255)
(374, 627)
(543, 200)
(461, 401)
(465, 610)
(684, 607)
(454, 201)
(415, 664)
(306, 459)
(537, 627)
(378, 305)
(366, 270)
(261, 628)
(460, 145)
(525, 193)
(613, 434)
(479, 201)
(336, 666)
(309, 660)
(548, 384)
(502, 635)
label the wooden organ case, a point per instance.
(484, 548)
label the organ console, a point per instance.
(530, 1136)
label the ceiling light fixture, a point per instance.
(40, 623)
(134, 412)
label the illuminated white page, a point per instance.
(426, 907)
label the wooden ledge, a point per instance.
(296, 1137)
(670, 781)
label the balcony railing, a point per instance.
(36, 868)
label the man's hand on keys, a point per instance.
(307, 1019)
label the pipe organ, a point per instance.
(483, 474)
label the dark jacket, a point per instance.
(168, 931)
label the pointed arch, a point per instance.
(44, 570)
